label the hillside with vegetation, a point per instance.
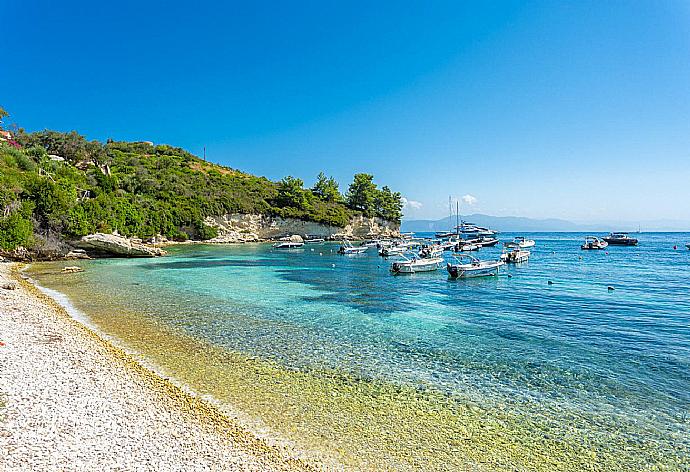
(58, 186)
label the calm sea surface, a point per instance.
(378, 371)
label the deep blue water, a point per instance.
(573, 347)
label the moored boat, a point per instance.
(392, 251)
(348, 248)
(514, 253)
(473, 268)
(523, 242)
(620, 239)
(288, 245)
(413, 265)
(593, 243)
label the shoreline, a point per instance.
(44, 412)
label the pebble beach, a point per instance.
(70, 400)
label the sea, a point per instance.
(574, 360)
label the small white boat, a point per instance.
(371, 243)
(413, 265)
(314, 240)
(473, 268)
(467, 247)
(523, 242)
(435, 250)
(392, 251)
(348, 248)
(592, 242)
(287, 245)
(514, 253)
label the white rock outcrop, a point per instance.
(115, 245)
(236, 228)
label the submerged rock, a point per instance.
(114, 245)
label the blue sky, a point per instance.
(578, 110)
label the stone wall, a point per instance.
(245, 228)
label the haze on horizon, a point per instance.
(572, 110)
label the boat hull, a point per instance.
(416, 266)
(621, 242)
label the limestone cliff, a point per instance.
(245, 228)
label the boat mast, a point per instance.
(457, 219)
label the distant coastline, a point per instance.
(547, 225)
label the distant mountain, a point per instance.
(505, 224)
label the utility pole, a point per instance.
(204, 153)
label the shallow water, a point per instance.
(422, 372)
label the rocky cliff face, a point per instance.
(245, 228)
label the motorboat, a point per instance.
(288, 245)
(348, 248)
(392, 251)
(370, 243)
(467, 247)
(468, 266)
(620, 239)
(592, 242)
(434, 250)
(484, 241)
(412, 265)
(471, 229)
(314, 240)
(514, 253)
(523, 242)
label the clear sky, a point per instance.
(578, 110)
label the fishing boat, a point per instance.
(620, 239)
(348, 248)
(514, 253)
(412, 265)
(593, 243)
(288, 245)
(523, 242)
(473, 267)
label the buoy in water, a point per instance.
(333, 265)
(610, 289)
(675, 247)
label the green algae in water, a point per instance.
(358, 416)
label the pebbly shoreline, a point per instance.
(70, 400)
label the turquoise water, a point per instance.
(593, 362)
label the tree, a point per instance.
(389, 204)
(327, 189)
(361, 194)
(3, 114)
(292, 194)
